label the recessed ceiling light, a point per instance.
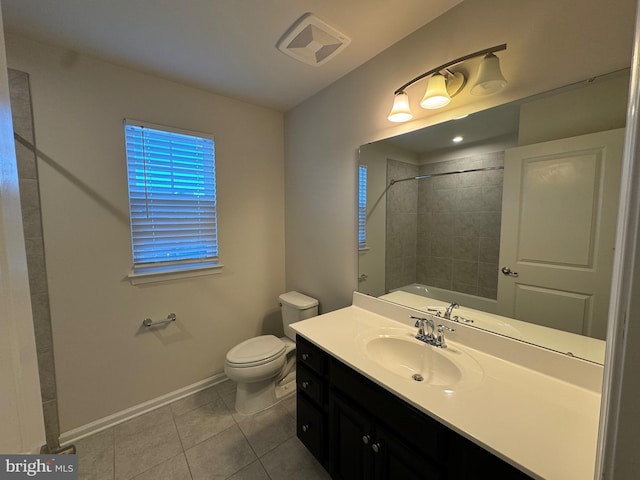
(457, 139)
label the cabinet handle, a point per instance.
(366, 439)
(305, 384)
(306, 427)
(305, 356)
(376, 447)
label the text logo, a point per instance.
(50, 467)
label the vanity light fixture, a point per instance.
(444, 84)
(436, 95)
(489, 79)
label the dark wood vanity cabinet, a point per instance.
(312, 399)
(375, 435)
(359, 430)
(362, 448)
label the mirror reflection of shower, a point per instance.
(443, 226)
(445, 233)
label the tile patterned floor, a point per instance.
(201, 437)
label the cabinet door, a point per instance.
(351, 436)
(395, 459)
(311, 427)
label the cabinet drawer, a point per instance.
(311, 384)
(311, 427)
(310, 355)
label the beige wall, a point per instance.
(550, 44)
(104, 361)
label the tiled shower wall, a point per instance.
(31, 218)
(402, 225)
(456, 220)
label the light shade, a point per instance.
(436, 95)
(489, 79)
(401, 112)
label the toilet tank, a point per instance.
(296, 307)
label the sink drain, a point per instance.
(417, 377)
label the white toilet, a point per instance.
(264, 366)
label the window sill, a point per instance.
(140, 276)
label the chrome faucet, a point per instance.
(425, 333)
(422, 323)
(447, 312)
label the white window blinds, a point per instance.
(172, 196)
(362, 206)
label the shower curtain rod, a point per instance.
(420, 177)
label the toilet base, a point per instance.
(286, 387)
(254, 397)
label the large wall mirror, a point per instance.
(509, 213)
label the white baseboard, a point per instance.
(67, 438)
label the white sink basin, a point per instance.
(399, 352)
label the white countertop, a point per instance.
(544, 425)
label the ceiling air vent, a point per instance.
(312, 41)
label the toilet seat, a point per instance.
(256, 351)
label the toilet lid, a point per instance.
(256, 349)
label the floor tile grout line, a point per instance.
(209, 438)
(184, 453)
(258, 457)
(174, 415)
(152, 467)
(160, 462)
(265, 469)
(113, 460)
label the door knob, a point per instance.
(507, 271)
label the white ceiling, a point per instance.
(224, 46)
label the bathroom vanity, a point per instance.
(374, 402)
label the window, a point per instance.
(172, 200)
(362, 207)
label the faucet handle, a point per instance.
(419, 321)
(440, 342)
